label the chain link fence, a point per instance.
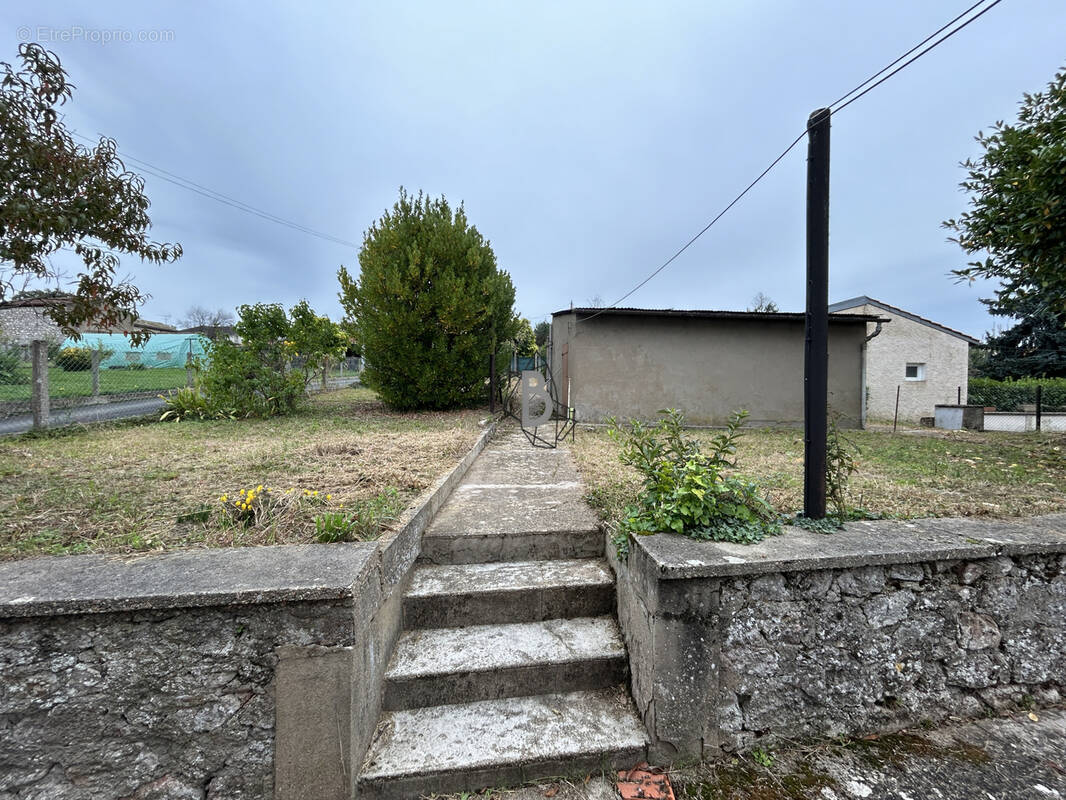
(1021, 406)
(46, 385)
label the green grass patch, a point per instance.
(124, 486)
(907, 475)
(112, 381)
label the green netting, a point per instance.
(162, 350)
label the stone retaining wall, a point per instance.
(208, 675)
(176, 703)
(881, 626)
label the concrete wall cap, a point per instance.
(187, 578)
(866, 543)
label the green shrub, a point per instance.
(191, 403)
(429, 305)
(11, 369)
(253, 377)
(1011, 395)
(268, 371)
(685, 490)
(75, 359)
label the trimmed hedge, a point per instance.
(1011, 395)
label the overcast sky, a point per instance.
(588, 140)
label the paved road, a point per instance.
(105, 412)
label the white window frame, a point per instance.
(919, 369)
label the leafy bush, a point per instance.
(253, 378)
(429, 305)
(191, 403)
(1011, 395)
(685, 490)
(11, 369)
(75, 359)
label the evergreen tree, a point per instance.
(1033, 348)
(429, 305)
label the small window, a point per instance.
(915, 372)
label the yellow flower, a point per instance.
(244, 491)
(259, 488)
(329, 497)
(315, 493)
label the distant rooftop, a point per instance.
(863, 300)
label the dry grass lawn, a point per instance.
(123, 486)
(911, 474)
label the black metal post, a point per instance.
(958, 395)
(492, 383)
(895, 414)
(816, 340)
(1039, 403)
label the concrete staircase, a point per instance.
(511, 666)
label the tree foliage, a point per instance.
(525, 341)
(55, 194)
(541, 332)
(429, 305)
(1034, 348)
(267, 372)
(1017, 211)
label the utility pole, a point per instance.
(816, 327)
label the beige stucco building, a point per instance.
(630, 363)
(926, 362)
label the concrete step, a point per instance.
(471, 547)
(468, 746)
(486, 662)
(460, 595)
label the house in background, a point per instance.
(26, 320)
(928, 363)
(632, 362)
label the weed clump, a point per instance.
(685, 490)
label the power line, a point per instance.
(219, 197)
(870, 83)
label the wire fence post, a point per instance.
(39, 398)
(492, 383)
(958, 396)
(189, 372)
(895, 415)
(95, 367)
(1039, 403)
(816, 340)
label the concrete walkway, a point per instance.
(511, 666)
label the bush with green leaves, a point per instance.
(253, 376)
(191, 403)
(256, 377)
(11, 368)
(315, 340)
(75, 359)
(686, 490)
(429, 305)
(1011, 395)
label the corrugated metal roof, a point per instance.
(765, 316)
